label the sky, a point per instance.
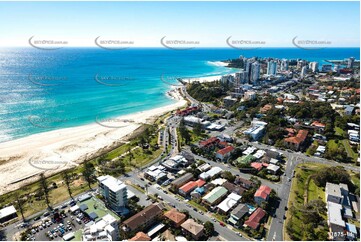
(209, 23)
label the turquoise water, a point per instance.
(47, 90)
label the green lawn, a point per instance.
(78, 234)
(296, 199)
(315, 192)
(349, 150)
(331, 144)
(339, 131)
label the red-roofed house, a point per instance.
(187, 188)
(255, 219)
(187, 111)
(262, 194)
(291, 132)
(296, 141)
(140, 236)
(256, 165)
(319, 127)
(224, 153)
(209, 143)
(222, 144)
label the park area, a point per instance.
(306, 218)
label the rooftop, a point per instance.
(263, 192)
(255, 218)
(143, 216)
(112, 183)
(225, 150)
(140, 236)
(334, 214)
(175, 216)
(215, 194)
(193, 227)
(299, 138)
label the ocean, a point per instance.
(43, 90)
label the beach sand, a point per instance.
(22, 160)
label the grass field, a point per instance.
(349, 150)
(339, 131)
(296, 199)
(315, 192)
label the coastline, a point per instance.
(21, 160)
(211, 78)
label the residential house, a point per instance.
(144, 218)
(213, 172)
(187, 188)
(140, 236)
(209, 143)
(257, 165)
(228, 203)
(318, 127)
(193, 229)
(297, 141)
(234, 188)
(255, 219)
(335, 221)
(244, 182)
(215, 196)
(238, 213)
(177, 183)
(176, 218)
(273, 169)
(337, 193)
(262, 194)
(225, 153)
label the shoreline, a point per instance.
(21, 160)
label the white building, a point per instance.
(255, 72)
(114, 192)
(303, 71)
(284, 65)
(229, 203)
(257, 130)
(249, 95)
(314, 66)
(271, 68)
(104, 230)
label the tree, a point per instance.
(20, 204)
(228, 176)
(88, 173)
(44, 188)
(184, 132)
(67, 178)
(332, 174)
(197, 129)
(208, 228)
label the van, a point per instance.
(78, 220)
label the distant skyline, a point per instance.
(209, 23)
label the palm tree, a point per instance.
(44, 187)
(88, 174)
(20, 204)
(67, 177)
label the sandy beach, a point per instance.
(22, 160)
